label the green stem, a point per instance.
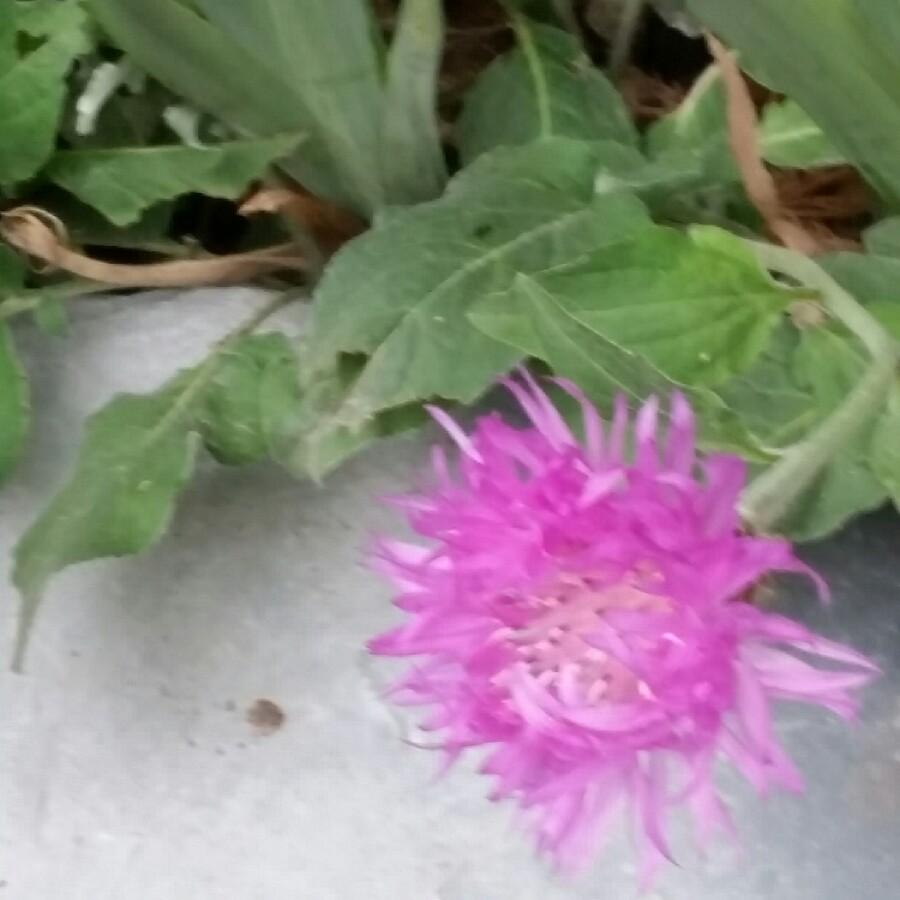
(533, 60)
(769, 497)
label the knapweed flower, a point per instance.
(580, 609)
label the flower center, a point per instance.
(555, 646)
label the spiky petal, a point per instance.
(579, 608)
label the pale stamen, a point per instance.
(566, 616)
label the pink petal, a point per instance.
(680, 439)
(460, 438)
(593, 424)
(645, 435)
(616, 449)
(753, 709)
(725, 477)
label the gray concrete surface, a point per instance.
(128, 770)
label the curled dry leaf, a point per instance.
(649, 98)
(758, 181)
(330, 225)
(43, 237)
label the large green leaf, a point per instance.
(326, 52)
(697, 133)
(411, 152)
(137, 455)
(542, 328)
(301, 418)
(874, 280)
(32, 91)
(788, 137)
(219, 75)
(546, 86)
(697, 306)
(768, 399)
(884, 451)
(800, 379)
(828, 366)
(870, 277)
(883, 238)
(402, 292)
(42, 18)
(13, 403)
(697, 126)
(14, 407)
(122, 183)
(792, 46)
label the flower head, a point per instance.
(580, 609)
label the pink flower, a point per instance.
(580, 610)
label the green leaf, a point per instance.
(87, 227)
(869, 277)
(218, 75)
(14, 405)
(123, 182)
(883, 238)
(697, 306)
(8, 23)
(790, 45)
(137, 455)
(327, 53)
(14, 395)
(545, 87)
(884, 18)
(402, 291)
(304, 431)
(12, 272)
(847, 488)
(237, 413)
(51, 317)
(788, 137)
(699, 125)
(32, 91)
(828, 366)
(873, 280)
(43, 18)
(695, 136)
(543, 329)
(884, 451)
(775, 409)
(799, 380)
(412, 156)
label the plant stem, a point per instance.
(769, 497)
(532, 58)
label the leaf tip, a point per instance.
(27, 613)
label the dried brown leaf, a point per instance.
(331, 226)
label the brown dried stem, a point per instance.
(758, 181)
(43, 237)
